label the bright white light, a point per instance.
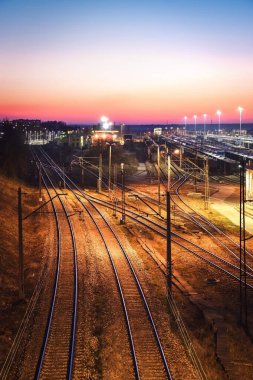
(105, 125)
(205, 115)
(195, 117)
(104, 119)
(218, 112)
(240, 109)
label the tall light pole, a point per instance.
(204, 124)
(195, 120)
(219, 114)
(240, 109)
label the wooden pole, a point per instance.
(20, 247)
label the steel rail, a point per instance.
(141, 292)
(23, 326)
(52, 308)
(210, 224)
(193, 219)
(180, 244)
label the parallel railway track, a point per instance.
(226, 267)
(57, 351)
(149, 359)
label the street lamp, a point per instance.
(219, 114)
(204, 123)
(240, 109)
(195, 119)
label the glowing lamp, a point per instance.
(104, 119)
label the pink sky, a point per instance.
(70, 63)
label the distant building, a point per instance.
(102, 137)
(157, 131)
(75, 139)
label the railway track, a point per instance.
(224, 241)
(226, 267)
(57, 351)
(229, 248)
(149, 359)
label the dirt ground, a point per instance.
(210, 311)
(35, 237)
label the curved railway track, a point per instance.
(57, 351)
(205, 255)
(223, 239)
(149, 359)
(230, 247)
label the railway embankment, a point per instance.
(35, 232)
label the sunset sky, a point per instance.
(134, 61)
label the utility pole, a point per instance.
(123, 216)
(114, 177)
(64, 182)
(114, 190)
(159, 179)
(110, 167)
(100, 173)
(180, 156)
(169, 261)
(206, 184)
(20, 248)
(243, 265)
(121, 131)
(40, 194)
(82, 172)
